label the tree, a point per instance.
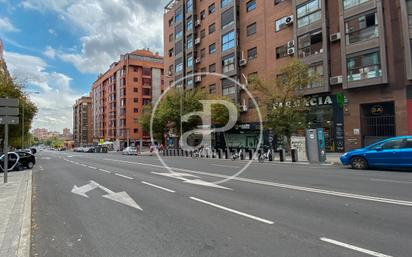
(284, 100)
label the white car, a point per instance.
(130, 151)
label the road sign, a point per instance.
(9, 120)
(9, 102)
(9, 111)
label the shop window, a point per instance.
(364, 66)
(309, 13)
(251, 29)
(252, 53)
(251, 5)
(362, 28)
(310, 44)
(282, 51)
(228, 41)
(352, 3)
(228, 63)
(316, 71)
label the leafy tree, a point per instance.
(283, 98)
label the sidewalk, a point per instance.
(15, 214)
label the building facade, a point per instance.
(120, 94)
(361, 50)
(82, 122)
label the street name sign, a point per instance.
(9, 102)
(9, 120)
(9, 111)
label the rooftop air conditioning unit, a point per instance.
(291, 51)
(334, 37)
(197, 22)
(336, 80)
(198, 60)
(197, 41)
(198, 78)
(289, 20)
(242, 62)
(291, 43)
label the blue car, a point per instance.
(392, 153)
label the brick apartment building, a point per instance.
(82, 122)
(360, 48)
(120, 93)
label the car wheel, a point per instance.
(30, 165)
(358, 163)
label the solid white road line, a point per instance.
(233, 211)
(123, 176)
(105, 171)
(391, 181)
(298, 188)
(225, 166)
(159, 187)
(355, 248)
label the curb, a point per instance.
(23, 249)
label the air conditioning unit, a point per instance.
(197, 41)
(242, 62)
(243, 108)
(198, 78)
(291, 43)
(336, 80)
(197, 23)
(334, 37)
(291, 51)
(198, 60)
(289, 20)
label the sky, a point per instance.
(56, 48)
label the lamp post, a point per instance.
(22, 120)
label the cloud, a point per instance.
(55, 98)
(5, 25)
(52, 31)
(49, 52)
(112, 28)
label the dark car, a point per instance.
(18, 161)
(392, 153)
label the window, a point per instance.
(212, 89)
(308, 13)
(252, 53)
(146, 91)
(135, 130)
(147, 82)
(136, 110)
(211, 8)
(224, 3)
(279, 1)
(212, 67)
(189, 5)
(178, 15)
(364, 66)
(310, 44)
(317, 72)
(228, 41)
(202, 15)
(147, 71)
(202, 33)
(178, 47)
(251, 29)
(179, 65)
(202, 52)
(250, 6)
(227, 17)
(282, 51)
(171, 50)
(189, 60)
(189, 42)
(407, 144)
(281, 23)
(229, 90)
(135, 79)
(170, 37)
(228, 63)
(393, 144)
(171, 22)
(409, 9)
(203, 70)
(212, 28)
(362, 28)
(212, 48)
(189, 24)
(179, 31)
(351, 3)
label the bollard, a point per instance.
(250, 152)
(178, 152)
(294, 154)
(227, 154)
(271, 155)
(242, 155)
(220, 153)
(282, 155)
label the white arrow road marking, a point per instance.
(355, 248)
(205, 183)
(120, 197)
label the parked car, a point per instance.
(130, 151)
(392, 153)
(18, 160)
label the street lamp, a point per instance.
(22, 120)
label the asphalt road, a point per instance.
(268, 210)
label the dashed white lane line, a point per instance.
(159, 187)
(391, 181)
(355, 248)
(225, 166)
(91, 167)
(105, 171)
(233, 211)
(84, 165)
(123, 176)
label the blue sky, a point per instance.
(57, 47)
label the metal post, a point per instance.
(6, 151)
(22, 126)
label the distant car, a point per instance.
(18, 160)
(90, 150)
(130, 151)
(392, 153)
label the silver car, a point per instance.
(130, 151)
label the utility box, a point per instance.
(315, 145)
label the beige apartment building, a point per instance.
(360, 48)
